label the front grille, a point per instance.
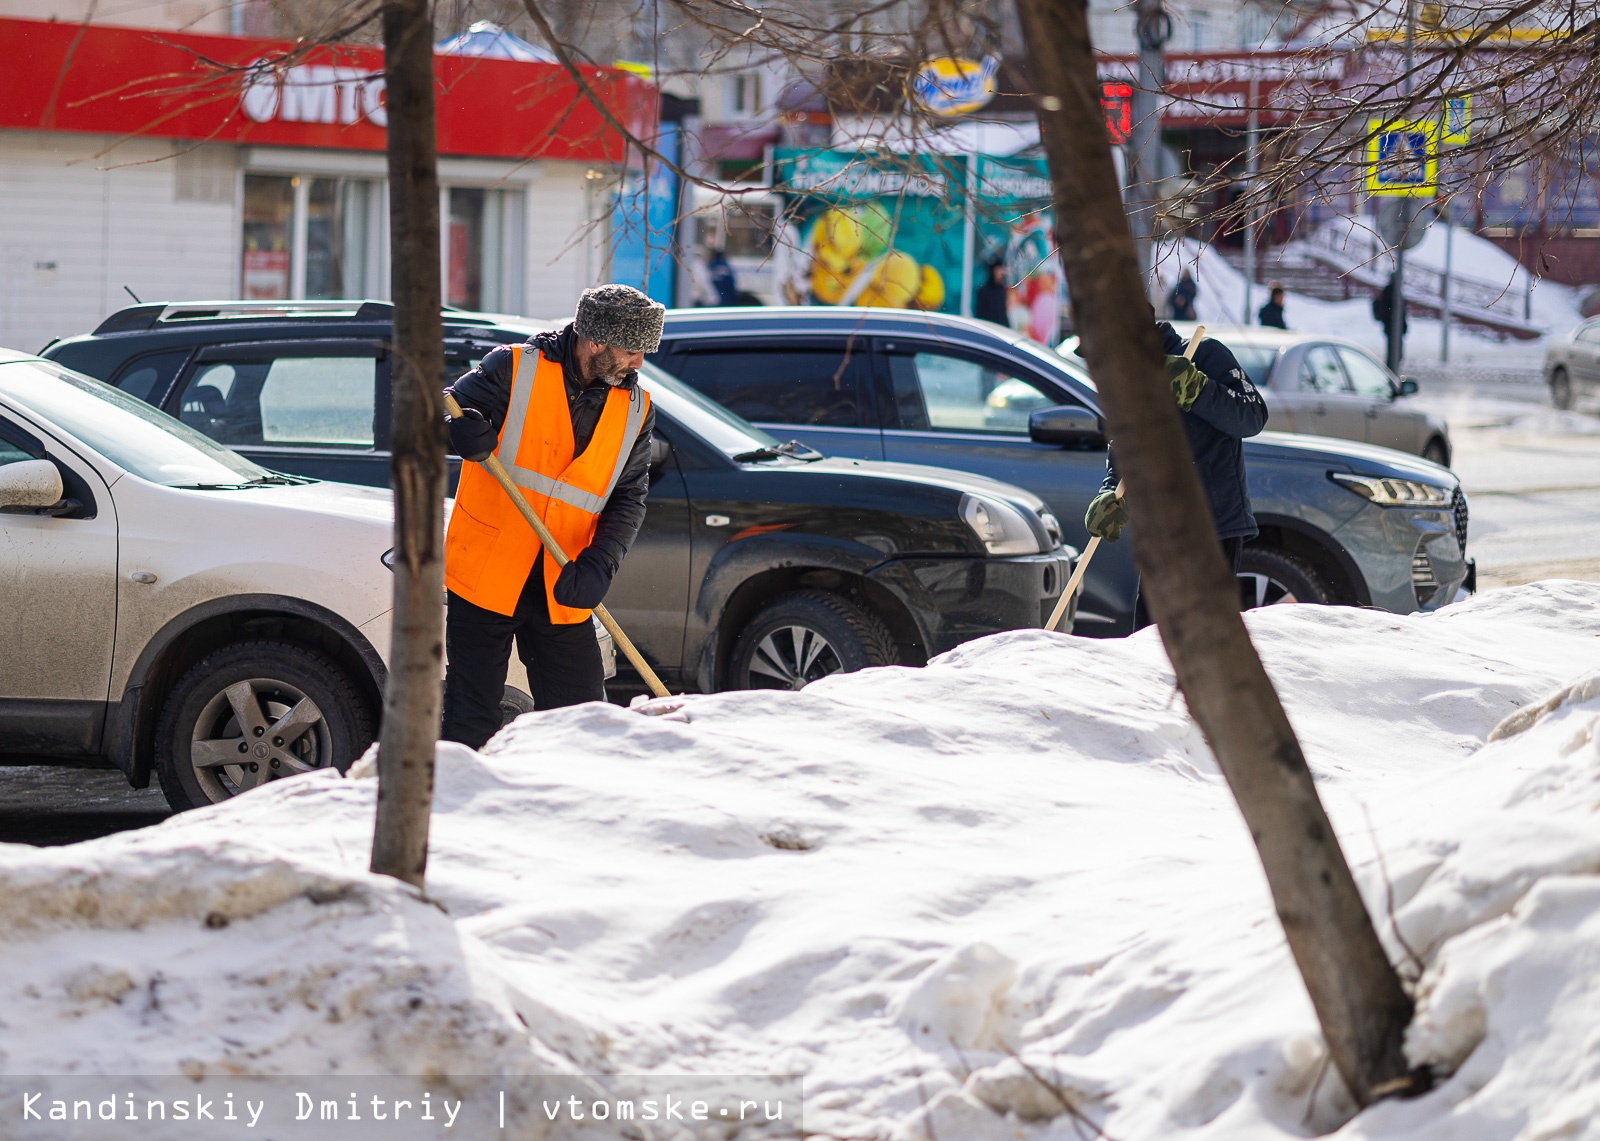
(1423, 580)
(1458, 504)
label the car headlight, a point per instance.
(1002, 529)
(1386, 492)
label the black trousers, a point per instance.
(563, 660)
(1232, 552)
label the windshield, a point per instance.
(123, 429)
(1256, 360)
(710, 421)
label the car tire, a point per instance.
(201, 721)
(800, 637)
(1561, 390)
(1270, 577)
(1437, 452)
(513, 704)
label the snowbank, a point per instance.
(980, 900)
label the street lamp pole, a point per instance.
(1154, 28)
(1397, 307)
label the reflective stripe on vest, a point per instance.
(517, 412)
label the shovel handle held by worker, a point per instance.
(1076, 580)
(503, 478)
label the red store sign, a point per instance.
(136, 82)
(1218, 89)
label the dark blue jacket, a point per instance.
(1229, 410)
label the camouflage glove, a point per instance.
(1107, 516)
(1187, 381)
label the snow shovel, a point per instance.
(1094, 540)
(503, 478)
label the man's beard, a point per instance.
(608, 365)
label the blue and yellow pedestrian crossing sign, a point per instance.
(1402, 159)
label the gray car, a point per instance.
(1572, 365)
(1317, 385)
(1341, 522)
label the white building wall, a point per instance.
(78, 228)
(567, 215)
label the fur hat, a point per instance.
(620, 317)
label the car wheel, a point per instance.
(1437, 452)
(513, 704)
(1270, 577)
(797, 638)
(253, 712)
(1561, 389)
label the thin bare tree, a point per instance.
(1357, 994)
(412, 699)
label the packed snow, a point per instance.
(1003, 896)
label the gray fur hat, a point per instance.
(620, 317)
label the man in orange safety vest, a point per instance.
(567, 417)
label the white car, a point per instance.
(1572, 365)
(170, 607)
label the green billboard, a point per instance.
(895, 230)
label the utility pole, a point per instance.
(1446, 215)
(1397, 309)
(1154, 28)
(1251, 161)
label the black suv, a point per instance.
(761, 563)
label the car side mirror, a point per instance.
(29, 485)
(1408, 387)
(660, 452)
(1068, 426)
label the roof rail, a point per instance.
(149, 316)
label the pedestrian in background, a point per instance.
(1271, 314)
(1181, 299)
(1383, 312)
(990, 303)
(723, 279)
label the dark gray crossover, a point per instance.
(1341, 522)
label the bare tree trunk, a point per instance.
(411, 703)
(1358, 997)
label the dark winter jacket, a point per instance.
(990, 303)
(1271, 315)
(1229, 410)
(488, 389)
(1181, 299)
(1383, 308)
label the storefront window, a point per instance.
(483, 242)
(339, 233)
(268, 236)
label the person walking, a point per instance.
(990, 303)
(567, 417)
(1383, 313)
(1271, 314)
(1181, 299)
(1220, 408)
(722, 278)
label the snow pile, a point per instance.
(997, 897)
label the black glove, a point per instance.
(583, 582)
(471, 436)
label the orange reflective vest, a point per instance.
(489, 549)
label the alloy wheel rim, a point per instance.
(1256, 590)
(254, 731)
(791, 657)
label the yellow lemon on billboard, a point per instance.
(894, 283)
(839, 232)
(930, 293)
(831, 275)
